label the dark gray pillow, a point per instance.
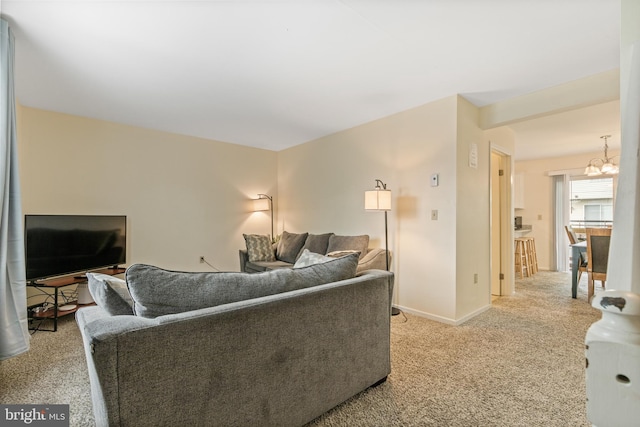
(346, 243)
(157, 292)
(110, 293)
(289, 246)
(317, 243)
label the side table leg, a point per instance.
(55, 310)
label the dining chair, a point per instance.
(571, 235)
(598, 240)
(582, 261)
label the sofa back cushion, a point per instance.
(346, 243)
(157, 292)
(289, 246)
(317, 243)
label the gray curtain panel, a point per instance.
(14, 333)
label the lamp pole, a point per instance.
(382, 186)
(386, 241)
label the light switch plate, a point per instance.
(435, 180)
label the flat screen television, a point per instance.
(58, 245)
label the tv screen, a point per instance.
(57, 245)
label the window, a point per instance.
(591, 202)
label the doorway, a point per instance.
(501, 225)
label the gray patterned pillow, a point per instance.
(259, 248)
(310, 258)
(110, 293)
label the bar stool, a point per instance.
(522, 260)
(533, 257)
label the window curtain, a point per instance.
(14, 333)
(560, 219)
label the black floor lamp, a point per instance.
(379, 199)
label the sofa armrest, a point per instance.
(374, 259)
(244, 258)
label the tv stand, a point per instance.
(57, 285)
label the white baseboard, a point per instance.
(441, 319)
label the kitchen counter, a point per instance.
(526, 229)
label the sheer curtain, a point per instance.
(560, 219)
(14, 333)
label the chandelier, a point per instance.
(607, 166)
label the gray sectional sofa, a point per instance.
(277, 348)
(290, 247)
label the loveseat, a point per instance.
(260, 255)
(277, 348)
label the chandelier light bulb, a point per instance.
(608, 166)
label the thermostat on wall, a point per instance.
(435, 180)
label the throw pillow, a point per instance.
(110, 293)
(317, 243)
(346, 243)
(289, 246)
(338, 254)
(308, 258)
(158, 292)
(259, 247)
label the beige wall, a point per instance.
(321, 186)
(539, 197)
(187, 197)
(473, 239)
(183, 196)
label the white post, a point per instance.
(612, 361)
(613, 343)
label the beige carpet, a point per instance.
(521, 363)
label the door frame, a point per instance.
(506, 221)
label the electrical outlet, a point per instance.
(201, 259)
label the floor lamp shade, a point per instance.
(377, 200)
(264, 202)
(260, 205)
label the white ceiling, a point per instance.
(277, 73)
(572, 132)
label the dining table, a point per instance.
(578, 252)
